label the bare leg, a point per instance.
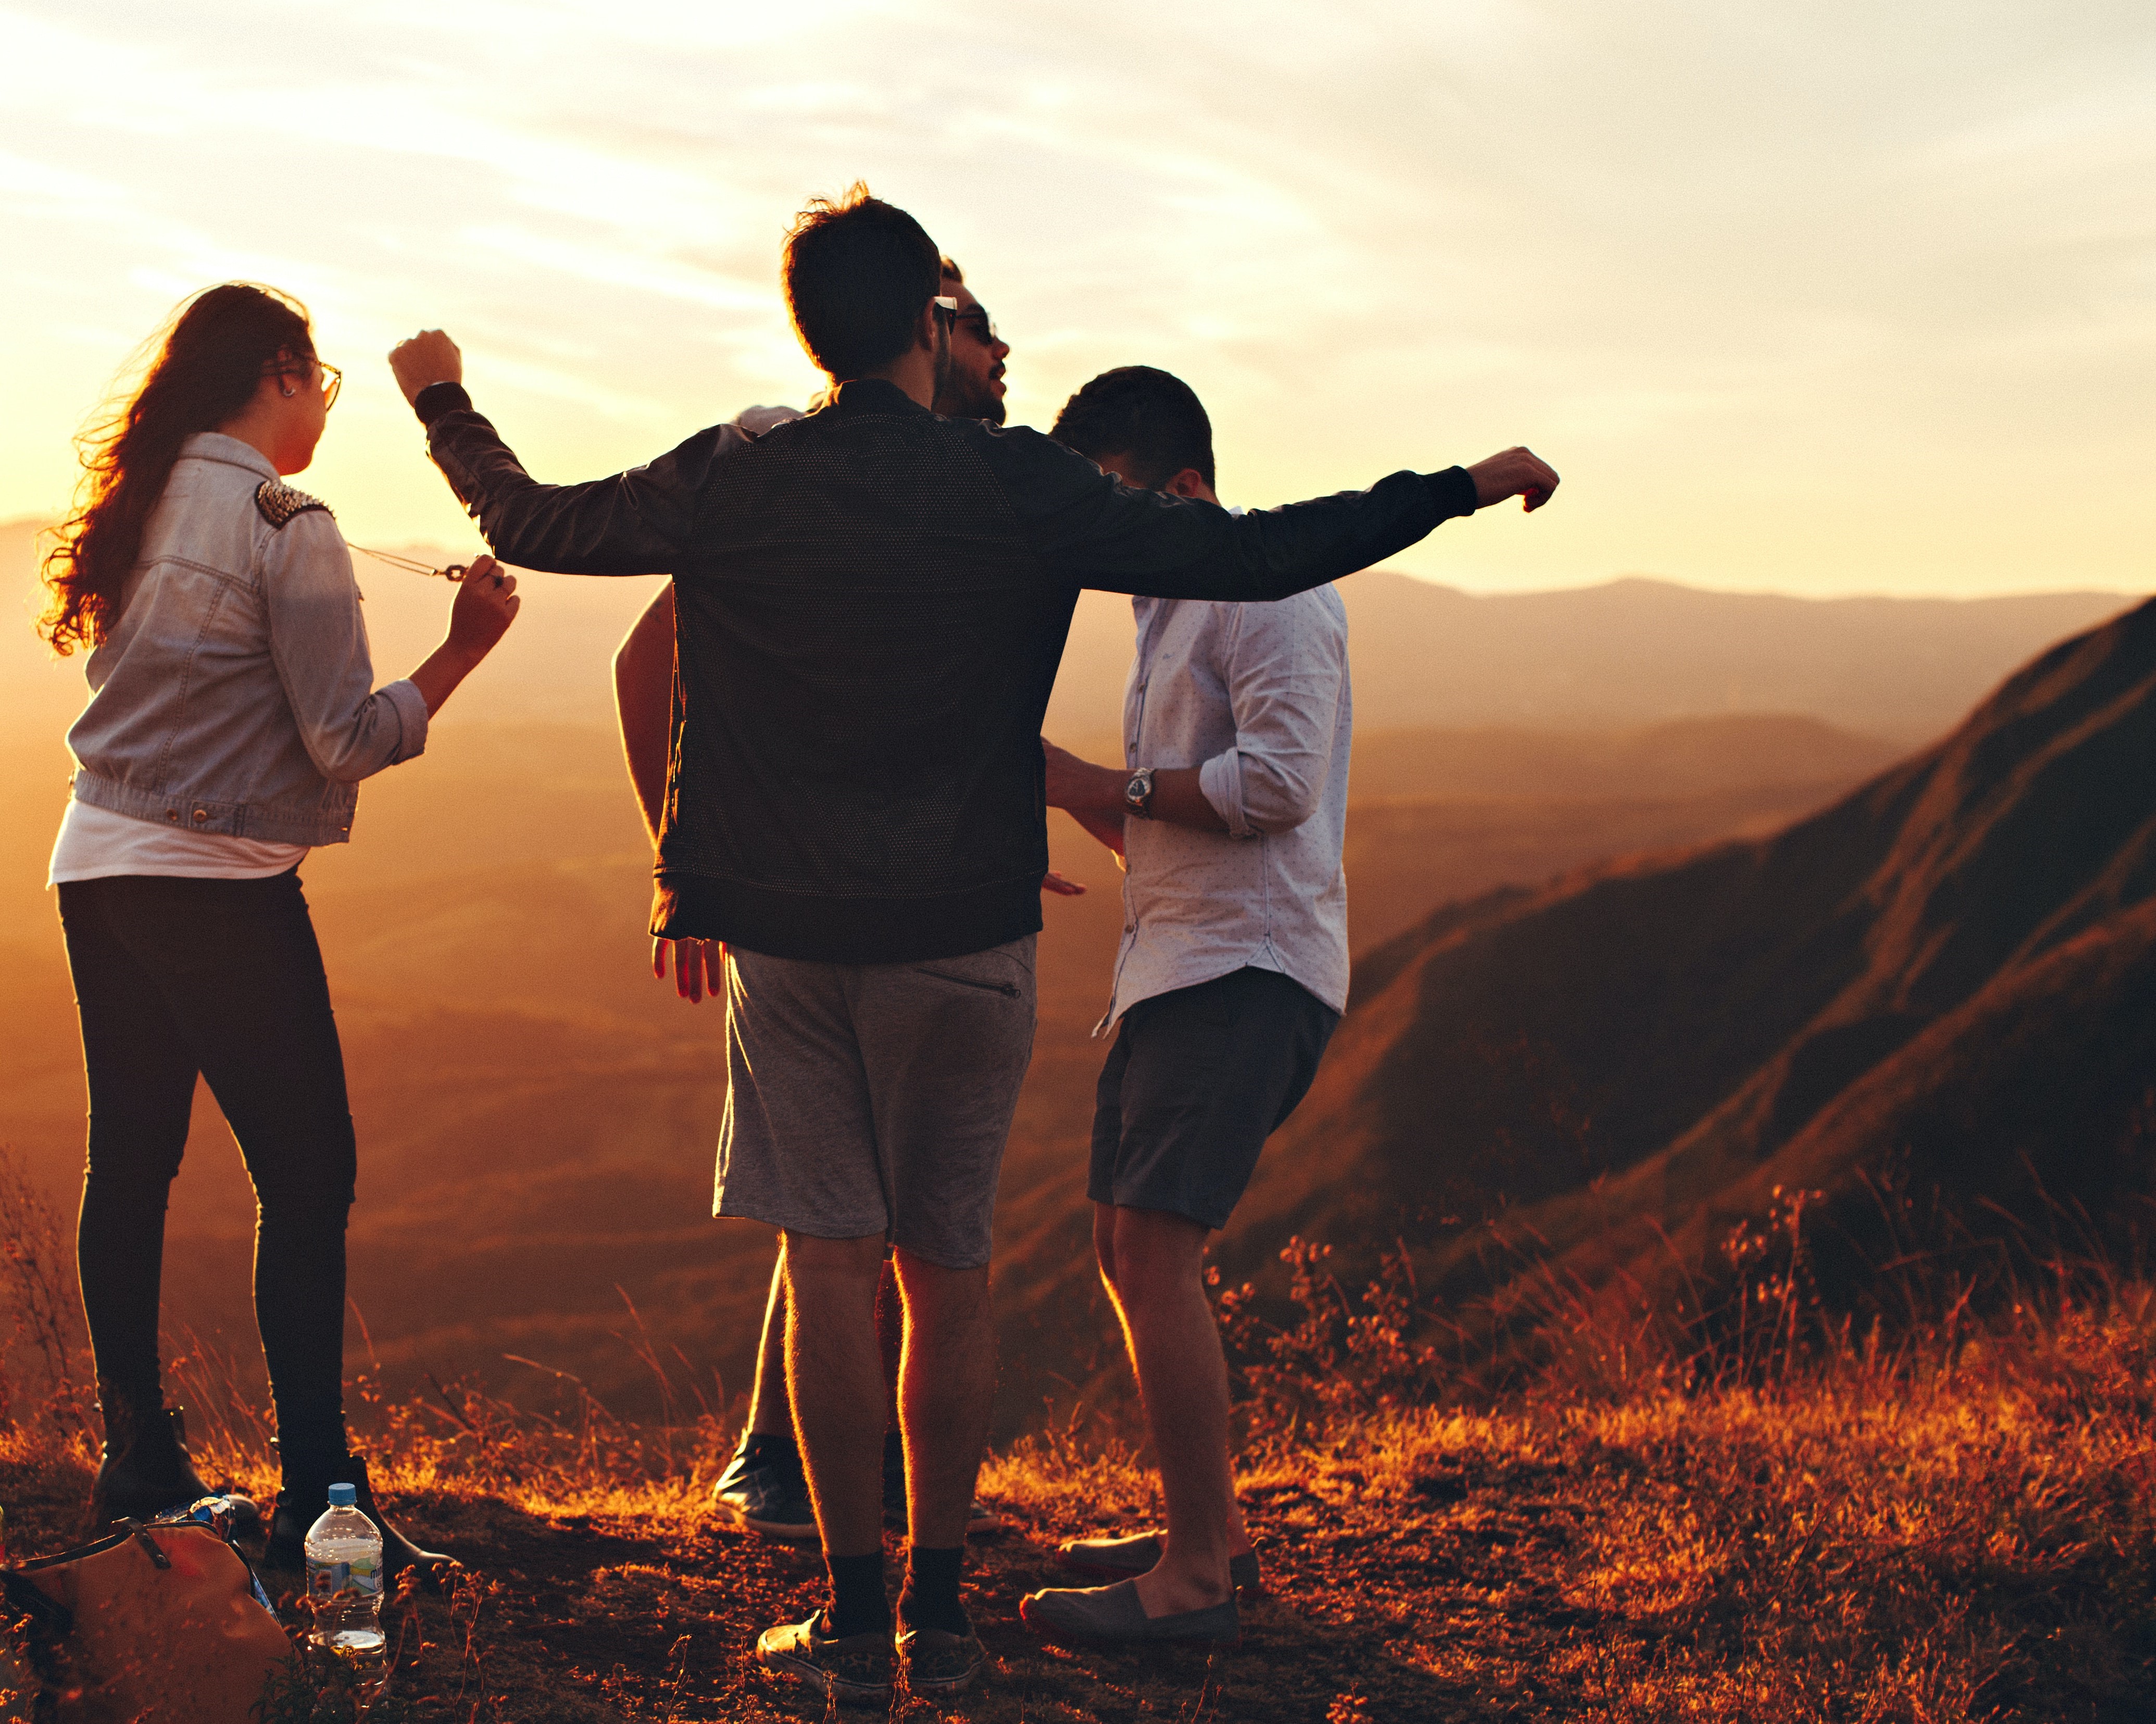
(890, 1333)
(770, 1408)
(947, 1391)
(835, 1369)
(1153, 1263)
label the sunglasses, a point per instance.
(977, 320)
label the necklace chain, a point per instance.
(455, 572)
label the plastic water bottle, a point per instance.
(344, 1576)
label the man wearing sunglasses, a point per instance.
(764, 1488)
(871, 604)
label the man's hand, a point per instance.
(1092, 795)
(428, 357)
(699, 967)
(1516, 473)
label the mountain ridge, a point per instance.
(1635, 1053)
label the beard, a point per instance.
(958, 397)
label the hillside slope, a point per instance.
(1949, 976)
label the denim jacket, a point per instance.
(234, 693)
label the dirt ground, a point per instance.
(592, 1619)
(587, 1619)
(1924, 1559)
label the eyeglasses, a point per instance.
(332, 378)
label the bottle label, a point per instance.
(361, 1575)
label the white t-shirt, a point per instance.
(95, 843)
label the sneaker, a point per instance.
(854, 1670)
(936, 1662)
(980, 1518)
(764, 1490)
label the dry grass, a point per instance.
(1774, 1520)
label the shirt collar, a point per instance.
(870, 395)
(216, 446)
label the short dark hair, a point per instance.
(857, 272)
(1153, 417)
(952, 272)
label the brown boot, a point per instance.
(145, 1469)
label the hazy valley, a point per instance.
(537, 1117)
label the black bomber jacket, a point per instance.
(870, 602)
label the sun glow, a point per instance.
(1785, 304)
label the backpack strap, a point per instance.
(279, 502)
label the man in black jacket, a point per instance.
(870, 602)
(764, 1487)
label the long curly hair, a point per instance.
(202, 368)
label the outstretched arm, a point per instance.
(1085, 528)
(633, 523)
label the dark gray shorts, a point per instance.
(874, 1098)
(1197, 1081)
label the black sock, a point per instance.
(930, 1598)
(859, 1605)
(770, 1445)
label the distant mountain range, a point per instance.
(1943, 983)
(1634, 652)
(1628, 653)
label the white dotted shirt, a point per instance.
(1256, 695)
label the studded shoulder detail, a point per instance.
(279, 502)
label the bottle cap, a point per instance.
(343, 1495)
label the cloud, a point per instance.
(1741, 272)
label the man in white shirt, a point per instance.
(1230, 813)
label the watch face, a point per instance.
(1136, 789)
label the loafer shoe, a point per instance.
(764, 1490)
(1123, 1559)
(853, 1669)
(1115, 1613)
(936, 1662)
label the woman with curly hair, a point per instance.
(232, 715)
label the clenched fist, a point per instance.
(1516, 473)
(430, 356)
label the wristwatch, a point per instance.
(1137, 794)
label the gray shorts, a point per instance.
(874, 1098)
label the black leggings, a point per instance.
(221, 977)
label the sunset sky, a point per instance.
(1821, 297)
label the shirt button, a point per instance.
(201, 815)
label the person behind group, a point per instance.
(1230, 811)
(870, 602)
(232, 715)
(764, 1487)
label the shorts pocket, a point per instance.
(984, 984)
